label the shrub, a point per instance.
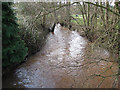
(13, 48)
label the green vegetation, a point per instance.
(77, 19)
(13, 48)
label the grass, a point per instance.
(79, 19)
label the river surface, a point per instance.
(66, 61)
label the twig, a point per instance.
(104, 8)
(100, 83)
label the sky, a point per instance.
(60, 0)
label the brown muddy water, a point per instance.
(66, 61)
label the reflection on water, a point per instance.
(77, 44)
(66, 61)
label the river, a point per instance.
(65, 61)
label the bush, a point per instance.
(13, 48)
(33, 31)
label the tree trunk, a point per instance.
(54, 3)
(68, 14)
(44, 18)
(96, 8)
(88, 15)
(107, 13)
